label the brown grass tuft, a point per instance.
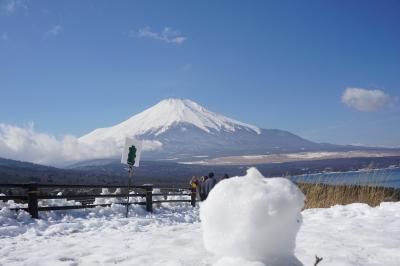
(324, 196)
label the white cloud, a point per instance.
(11, 6)
(167, 35)
(4, 37)
(26, 144)
(54, 30)
(365, 100)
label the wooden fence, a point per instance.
(33, 195)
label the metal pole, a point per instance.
(130, 172)
(33, 200)
(149, 198)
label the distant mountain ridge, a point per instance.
(110, 171)
(180, 128)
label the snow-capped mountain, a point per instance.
(182, 128)
(165, 115)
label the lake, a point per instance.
(389, 177)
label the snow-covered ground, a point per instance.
(245, 221)
(355, 234)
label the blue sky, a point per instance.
(73, 66)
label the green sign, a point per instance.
(132, 155)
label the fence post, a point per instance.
(149, 197)
(193, 197)
(33, 200)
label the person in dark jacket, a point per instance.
(208, 185)
(225, 176)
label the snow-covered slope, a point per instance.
(180, 128)
(164, 115)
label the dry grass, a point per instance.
(324, 196)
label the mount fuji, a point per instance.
(177, 129)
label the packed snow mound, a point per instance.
(254, 218)
(162, 116)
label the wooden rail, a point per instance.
(33, 196)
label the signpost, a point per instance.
(131, 157)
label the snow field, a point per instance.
(102, 237)
(354, 234)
